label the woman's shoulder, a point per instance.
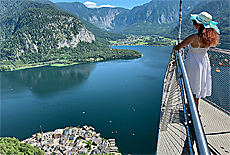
(193, 37)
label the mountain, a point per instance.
(220, 14)
(98, 32)
(102, 17)
(154, 17)
(39, 34)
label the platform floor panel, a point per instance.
(216, 125)
(172, 140)
(172, 132)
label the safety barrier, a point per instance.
(196, 123)
(180, 129)
(220, 64)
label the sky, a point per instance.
(128, 4)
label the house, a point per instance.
(113, 149)
(107, 150)
(70, 132)
(96, 141)
(66, 131)
(57, 152)
(74, 131)
(44, 147)
(86, 127)
(62, 148)
(38, 144)
(98, 134)
(78, 143)
(96, 151)
(82, 150)
(51, 148)
(63, 140)
(58, 133)
(91, 128)
(94, 133)
(112, 142)
(103, 145)
(68, 152)
(50, 141)
(85, 135)
(47, 135)
(74, 149)
(88, 134)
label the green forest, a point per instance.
(14, 146)
(42, 35)
(83, 53)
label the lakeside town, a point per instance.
(151, 40)
(73, 141)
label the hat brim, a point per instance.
(194, 17)
(212, 24)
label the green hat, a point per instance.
(205, 19)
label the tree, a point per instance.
(14, 146)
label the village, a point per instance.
(73, 141)
(152, 40)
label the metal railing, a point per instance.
(220, 71)
(180, 128)
(196, 123)
(220, 64)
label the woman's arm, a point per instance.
(185, 42)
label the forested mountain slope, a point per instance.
(39, 33)
(102, 35)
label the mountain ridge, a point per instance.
(154, 17)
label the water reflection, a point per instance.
(47, 80)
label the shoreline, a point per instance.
(64, 65)
(52, 65)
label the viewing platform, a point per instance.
(216, 125)
(176, 126)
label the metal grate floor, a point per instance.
(216, 125)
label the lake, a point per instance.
(120, 98)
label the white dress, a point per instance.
(198, 68)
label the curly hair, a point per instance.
(207, 36)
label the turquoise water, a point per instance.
(120, 98)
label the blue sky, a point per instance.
(128, 4)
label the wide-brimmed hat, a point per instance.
(205, 19)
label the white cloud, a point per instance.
(90, 4)
(94, 5)
(108, 6)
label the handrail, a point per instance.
(183, 95)
(225, 51)
(198, 129)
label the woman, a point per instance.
(197, 62)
